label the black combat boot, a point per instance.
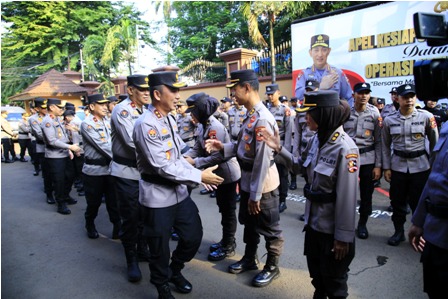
(362, 231)
(92, 233)
(245, 264)
(282, 206)
(268, 274)
(179, 281)
(215, 246)
(143, 250)
(134, 273)
(227, 249)
(50, 198)
(164, 291)
(62, 208)
(398, 236)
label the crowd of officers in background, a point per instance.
(98, 157)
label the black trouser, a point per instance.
(404, 187)
(78, 162)
(130, 211)
(283, 174)
(7, 147)
(435, 270)
(33, 157)
(24, 145)
(366, 187)
(265, 223)
(329, 276)
(184, 217)
(95, 187)
(226, 201)
(61, 172)
(40, 160)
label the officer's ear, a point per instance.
(91, 107)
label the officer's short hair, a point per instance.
(254, 84)
(154, 88)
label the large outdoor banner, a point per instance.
(375, 44)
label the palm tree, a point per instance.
(166, 8)
(268, 10)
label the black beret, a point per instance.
(361, 86)
(138, 81)
(405, 89)
(97, 98)
(319, 99)
(393, 90)
(271, 88)
(311, 84)
(283, 99)
(380, 101)
(241, 76)
(170, 79)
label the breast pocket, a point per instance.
(368, 129)
(418, 133)
(395, 132)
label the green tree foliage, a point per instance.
(203, 29)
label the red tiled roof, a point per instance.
(50, 84)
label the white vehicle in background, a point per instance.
(14, 116)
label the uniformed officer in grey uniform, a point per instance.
(125, 173)
(328, 76)
(40, 104)
(407, 166)
(391, 107)
(24, 138)
(364, 127)
(201, 106)
(237, 114)
(282, 115)
(222, 117)
(97, 143)
(430, 223)
(185, 124)
(58, 153)
(73, 127)
(259, 180)
(164, 195)
(332, 165)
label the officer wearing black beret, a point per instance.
(113, 100)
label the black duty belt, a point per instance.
(125, 161)
(188, 139)
(318, 196)
(249, 166)
(99, 162)
(235, 138)
(408, 155)
(439, 211)
(157, 179)
(20, 133)
(40, 142)
(366, 149)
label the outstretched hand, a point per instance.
(209, 178)
(213, 145)
(273, 141)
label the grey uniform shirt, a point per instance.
(97, 144)
(228, 169)
(282, 115)
(158, 148)
(186, 128)
(124, 115)
(302, 134)
(24, 129)
(407, 134)
(236, 118)
(35, 121)
(222, 117)
(365, 129)
(387, 110)
(55, 137)
(250, 149)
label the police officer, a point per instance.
(259, 180)
(185, 124)
(7, 135)
(125, 173)
(430, 223)
(201, 107)
(222, 117)
(40, 105)
(439, 114)
(364, 127)
(237, 114)
(24, 138)
(58, 154)
(282, 115)
(328, 76)
(407, 166)
(164, 196)
(113, 100)
(332, 161)
(97, 143)
(303, 133)
(391, 107)
(73, 127)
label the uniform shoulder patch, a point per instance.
(212, 134)
(258, 134)
(124, 113)
(47, 125)
(152, 133)
(352, 165)
(380, 122)
(349, 156)
(433, 122)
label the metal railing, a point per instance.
(262, 64)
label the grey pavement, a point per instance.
(48, 255)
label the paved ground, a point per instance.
(48, 255)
